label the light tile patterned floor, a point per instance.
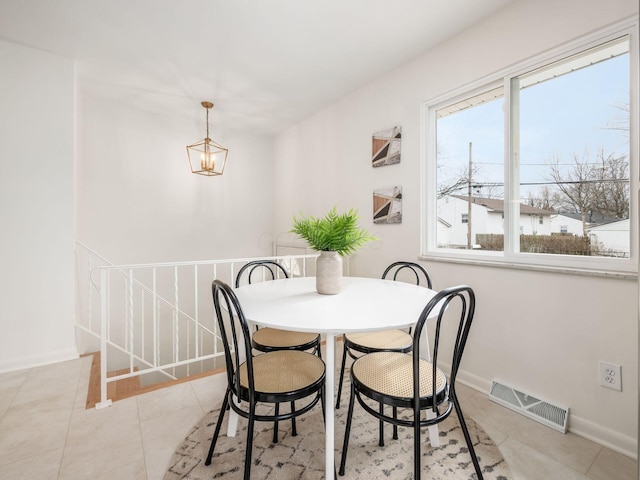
(46, 433)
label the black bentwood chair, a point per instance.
(273, 339)
(272, 377)
(404, 380)
(355, 344)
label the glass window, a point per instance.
(470, 170)
(572, 161)
(537, 162)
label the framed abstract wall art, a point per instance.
(387, 205)
(386, 147)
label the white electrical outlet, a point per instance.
(611, 376)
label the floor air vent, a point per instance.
(550, 415)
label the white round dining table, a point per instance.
(363, 304)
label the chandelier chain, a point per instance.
(207, 123)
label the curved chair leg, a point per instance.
(275, 425)
(381, 439)
(467, 438)
(395, 427)
(223, 410)
(342, 368)
(416, 445)
(294, 432)
(347, 431)
(249, 450)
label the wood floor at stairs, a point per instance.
(127, 387)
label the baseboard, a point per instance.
(604, 436)
(473, 381)
(38, 360)
(591, 431)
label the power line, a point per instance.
(567, 182)
(539, 164)
(573, 182)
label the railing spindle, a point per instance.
(104, 315)
(130, 315)
(176, 338)
(90, 290)
(196, 310)
(156, 333)
(142, 329)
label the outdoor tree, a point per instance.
(593, 187)
(458, 183)
(453, 185)
(545, 199)
(612, 188)
(620, 121)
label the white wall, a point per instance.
(613, 236)
(138, 201)
(543, 332)
(574, 226)
(36, 208)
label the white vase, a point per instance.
(329, 273)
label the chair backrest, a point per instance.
(234, 331)
(455, 305)
(413, 270)
(268, 268)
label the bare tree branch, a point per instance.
(587, 187)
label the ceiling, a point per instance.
(265, 64)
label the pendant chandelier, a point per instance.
(206, 157)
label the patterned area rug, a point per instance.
(302, 456)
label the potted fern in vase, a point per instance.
(334, 236)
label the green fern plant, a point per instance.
(335, 232)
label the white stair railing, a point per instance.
(156, 318)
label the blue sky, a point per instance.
(559, 118)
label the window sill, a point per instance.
(505, 263)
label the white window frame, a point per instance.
(511, 256)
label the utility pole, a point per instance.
(469, 192)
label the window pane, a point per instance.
(470, 172)
(574, 155)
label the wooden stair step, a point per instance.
(128, 387)
(124, 388)
(117, 390)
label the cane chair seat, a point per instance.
(368, 342)
(272, 339)
(389, 376)
(283, 371)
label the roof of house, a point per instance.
(497, 205)
(593, 218)
(618, 225)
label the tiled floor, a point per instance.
(46, 433)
